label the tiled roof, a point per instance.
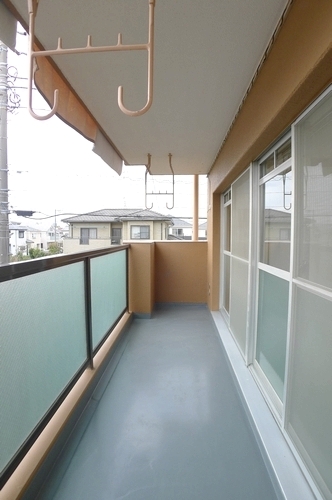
(19, 227)
(180, 223)
(277, 215)
(118, 214)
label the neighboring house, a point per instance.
(277, 237)
(56, 235)
(202, 231)
(181, 230)
(22, 238)
(113, 226)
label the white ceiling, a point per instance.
(206, 53)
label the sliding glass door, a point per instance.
(273, 278)
(277, 282)
(236, 253)
(309, 398)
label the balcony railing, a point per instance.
(55, 315)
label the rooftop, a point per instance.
(118, 214)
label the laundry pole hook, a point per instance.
(89, 48)
(170, 166)
(150, 51)
(32, 6)
(148, 171)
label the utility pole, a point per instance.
(4, 218)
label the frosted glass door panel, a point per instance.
(108, 292)
(227, 265)
(272, 329)
(42, 344)
(239, 301)
(241, 216)
(310, 400)
(314, 175)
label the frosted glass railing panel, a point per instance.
(42, 345)
(309, 413)
(108, 292)
(239, 301)
(272, 329)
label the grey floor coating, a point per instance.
(168, 424)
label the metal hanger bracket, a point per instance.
(33, 55)
(154, 193)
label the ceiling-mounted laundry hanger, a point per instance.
(155, 193)
(33, 55)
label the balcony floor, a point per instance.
(166, 423)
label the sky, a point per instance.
(52, 168)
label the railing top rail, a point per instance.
(20, 269)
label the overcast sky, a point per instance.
(52, 167)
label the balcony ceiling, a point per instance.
(206, 53)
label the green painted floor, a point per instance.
(167, 424)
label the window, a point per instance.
(276, 205)
(21, 234)
(178, 231)
(140, 232)
(87, 233)
(116, 235)
(284, 234)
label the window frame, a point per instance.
(85, 240)
(140, 237)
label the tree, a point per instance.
(36, 253)
(54, 248)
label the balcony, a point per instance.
(119, 382)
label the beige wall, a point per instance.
(181, 271)
(159, 230)
(297, 70)
(213, 254)
(141, 278)
(170, 271)
(73, 245)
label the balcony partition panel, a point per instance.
(51, 311)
